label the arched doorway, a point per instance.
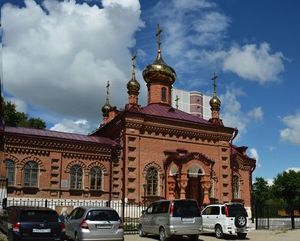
(194, 188)
(174, 173)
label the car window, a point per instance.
(149, 209)
(79, 213)
(163, 207)
(215, 210)
(72, 214)
(38, 216)
(186, 208)
(155, 208)
(235, 210)
(207, 211)
(102, 215)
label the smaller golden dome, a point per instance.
(215, 103)
(133, 86)
(105, 109)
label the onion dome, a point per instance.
(159, 70)
(106, 107)
(215, 102)
(133, 85)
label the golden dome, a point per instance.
(215, 103)
(105, 109)
(159, 70)
(133, 86)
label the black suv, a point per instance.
(32, 223)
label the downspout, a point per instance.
(123, 173)
(110, 174)
(231, 140)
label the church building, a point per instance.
(138, 154)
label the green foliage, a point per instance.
(261, 191)
(287, 186)
(12, 117)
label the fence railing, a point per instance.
(129, 212)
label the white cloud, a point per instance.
(21, 106)
(256, 113)
(255, 63)
(64, 58)
(253, 153)
(73, 126)
(232, 113)
(270, 181)
(296, 169)
(292, 132)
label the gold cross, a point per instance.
(133, 60)
(214, 77)
(176, 100)
(107, 90)
(158, 35)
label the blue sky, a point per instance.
(57, 59)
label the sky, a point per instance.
(58, 55)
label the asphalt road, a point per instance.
(256, 235)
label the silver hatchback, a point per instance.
(169, 218)
(94, 224)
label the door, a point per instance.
(146, 219)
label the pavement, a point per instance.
(256, 235)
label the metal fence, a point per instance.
(129, 212)
(276, 217)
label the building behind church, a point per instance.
(138, 154)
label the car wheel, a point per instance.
(240, 221)
(141, 231)
(242, 235)
(193, 237)
(162, 235)
(219, 232)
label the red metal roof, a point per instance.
(58, 135)
(166, 111)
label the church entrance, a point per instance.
(194, 189)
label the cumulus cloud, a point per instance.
(253, 153)
(232, 113)
(255, 63)
(21, 106)
(292, 132)
(73, 126)
(64, 52)
(256, 113)
(296, 169)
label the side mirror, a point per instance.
(4, 203)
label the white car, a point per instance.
(229, 218)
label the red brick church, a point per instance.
(139, 153)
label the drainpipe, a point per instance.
(231, 140)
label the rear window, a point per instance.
(102, 215)
(186, 208)
(38, 216)
(235, 210)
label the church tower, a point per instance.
(215, 104)
(159, 78)
(133, 86)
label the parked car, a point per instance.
(23, 223)
(171, 218)
(222, 219)
(94, 224)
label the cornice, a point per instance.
(43, 147)
(169, 130)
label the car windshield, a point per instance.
(38, 216)
(186, 208)
(234, 210)
(102, 215)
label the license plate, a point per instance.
(103, 226)
(188, 220)
(44, 230)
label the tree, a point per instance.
(12, 117)
(287, 186)
(261, 191)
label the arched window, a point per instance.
(31, 170)
(152, 181)
(95, 178)
(163, 94)
(10, 172)
(236, 186)
(76, 177)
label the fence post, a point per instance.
(46, 202)
(256, 218)
(293, 218)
